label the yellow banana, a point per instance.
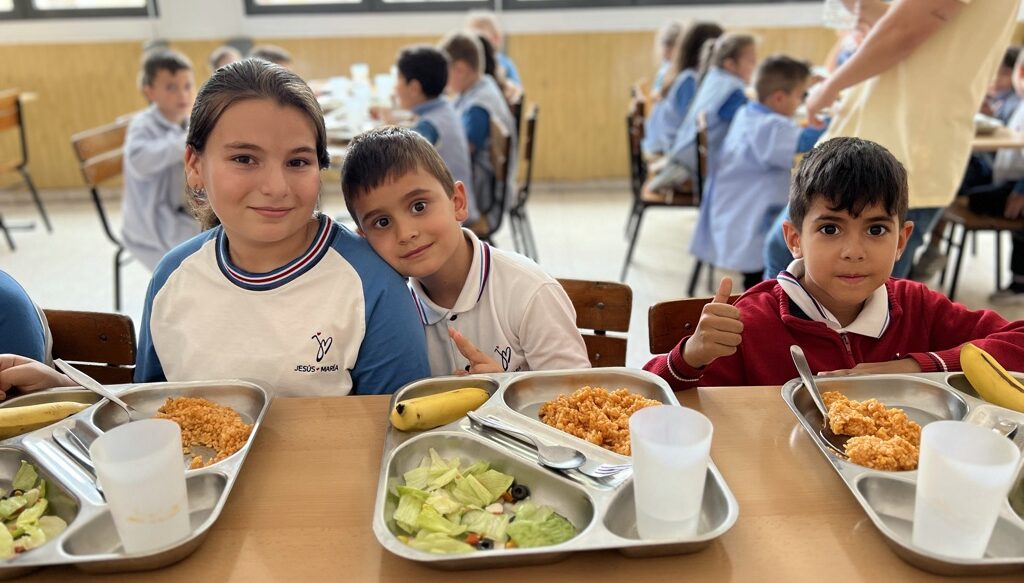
(990, 379)
(17, 420)
(436, 410)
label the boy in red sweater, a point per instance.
(848, 205)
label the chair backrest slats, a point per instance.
(99, 151)
(601, 307)
(671, 321)
(102, 343)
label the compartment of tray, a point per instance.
(923, 401)
(62, 501)
(547, 488)
(436, 385)
(889, 502)
(958, 381)
(53, 396)
(526, 393)
(717, 515)
(99, 536)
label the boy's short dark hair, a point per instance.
(779, 73)
(1010, 57)
(386, 154)
(162, 60)
(465, 47)
(272, 53)
(425, 64)
(850, 174)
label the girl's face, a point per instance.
(260, 172)
(744, 64)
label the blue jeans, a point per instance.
(777, 255)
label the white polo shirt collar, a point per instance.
(872, 321)
(472, 290)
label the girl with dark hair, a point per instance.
(273, 290)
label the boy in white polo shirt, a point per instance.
(409, 208)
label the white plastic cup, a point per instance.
(837, 16)
(360, 72)
(140, 466)
(671, 449)
(963, 477)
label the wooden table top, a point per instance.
(1001, 138)
(302, 509)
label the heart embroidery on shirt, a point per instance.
(323, 345)
(505, 355)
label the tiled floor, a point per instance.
(579, 230)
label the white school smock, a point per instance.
(747, 190)
(922, 109)
(334, 321)
(156, 218)
(511, 310)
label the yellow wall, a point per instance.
(580, 80)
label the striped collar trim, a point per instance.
(472, 290)
(872, 321)
(284, 274)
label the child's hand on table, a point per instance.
(28, 375)
(903, 365)
(718, 331)
(478, 361)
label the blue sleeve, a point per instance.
(511, 73)
(477, 123)
(684, 95)
(808, 137)
(394, 349)
(735, 101)
(427, 130)
(1019, 187)
(21, 331)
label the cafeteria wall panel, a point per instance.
(581, 81)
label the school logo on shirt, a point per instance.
(323, 346)
(504, 355)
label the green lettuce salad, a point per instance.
(23, 512)
(445, 508)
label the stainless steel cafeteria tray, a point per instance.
(601, 510)
(91, 542)
(888, 497)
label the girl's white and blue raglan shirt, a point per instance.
(336, 320)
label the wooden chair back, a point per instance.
(100, 344)
(516, 104)
(99, 152)
(671, 321)
(528, 141)
(702, 156)
(635, 137)
(10, 120)
(601, 307)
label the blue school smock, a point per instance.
(720, 96)
(748, 188)
(23, 327)
(668, 114)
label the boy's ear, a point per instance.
(147, 92)
(792, 235)
(193, 169)
(460, 201)
(904, 236)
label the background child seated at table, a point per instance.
(750, 183)
(680, 86)
(486, 23)
(1002, 98)
(156, 216)
(422, 77)
(730, 62)
(408, 207)
(666, 43)
(837, 300)
(478, 101)
(273, 290)
(272, 53)
(223, 55)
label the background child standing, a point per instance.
(156, 217)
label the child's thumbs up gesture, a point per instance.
(718, 330)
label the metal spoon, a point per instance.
(553, 456)
(838, 442)
(93, 385)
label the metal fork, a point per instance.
(568, 458)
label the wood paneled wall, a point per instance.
(580, 80)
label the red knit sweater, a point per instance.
(924, 325)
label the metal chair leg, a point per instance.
(950, 231)
(35, 197)
(999, 260)
(117, 279)
(634, 213)
(7, 235)
(632, 244)
(961, 250)
(528, 240)
(691, 290)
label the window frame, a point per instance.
(26, 10)
(513, 5)
(252, 8)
